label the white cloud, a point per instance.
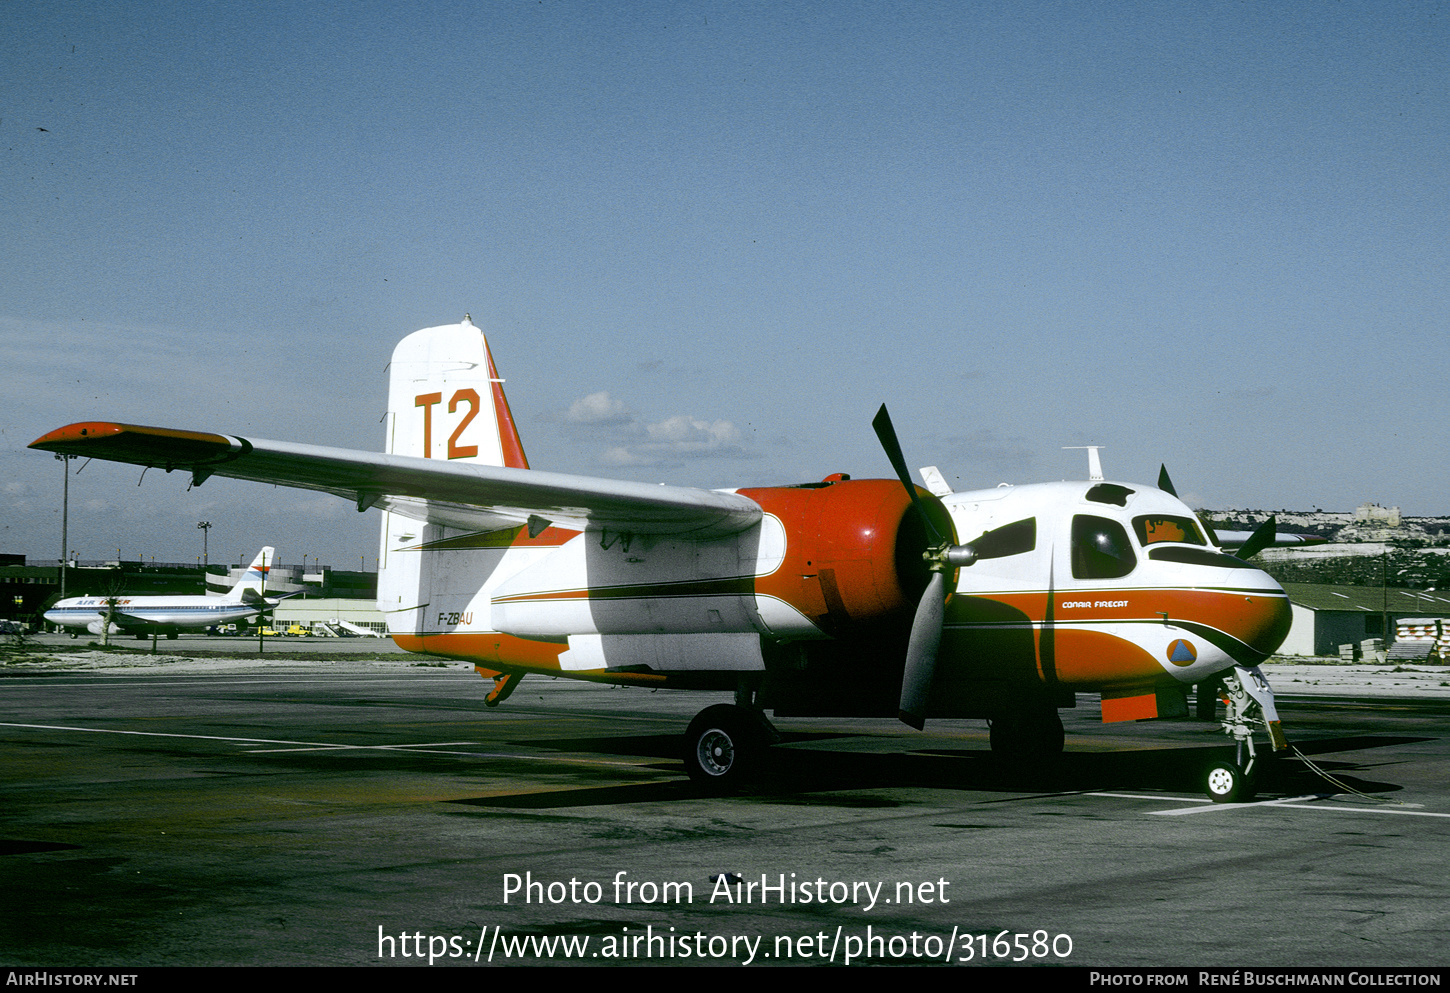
(681, 437)
(621, 455)
(628, 441)
(599, 408)
(681, 433)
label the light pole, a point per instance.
(64, 461)
(1385, 630)
(205, 527)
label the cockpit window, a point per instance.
(1153, 529)
(1100, 549)
(1009, 539)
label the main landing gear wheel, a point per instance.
(1227, 782)
(1033, 734)
(724, 745)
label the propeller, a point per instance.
(1261, 539)
(926, 627)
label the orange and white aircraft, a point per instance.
(832, 598)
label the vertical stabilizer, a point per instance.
(255, 578)
(446, 402)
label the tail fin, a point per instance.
(255, 578)
(446, 400)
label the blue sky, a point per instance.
(707, 240)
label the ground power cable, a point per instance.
(1343, 787)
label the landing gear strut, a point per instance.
(1250, 704)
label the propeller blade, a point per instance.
(1164, 483)
(927, 625)
(1262, 538)
(887, 435)
(921, 652)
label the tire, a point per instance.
(722, 746)
(1225, 782)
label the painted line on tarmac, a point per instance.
(166, 734)
(322, 746)
(422, 746)
(1291, 802)
(1211, 807)
(295, 746)
(1338, 810)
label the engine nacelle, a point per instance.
(828, 559)
(853, 551)
(98, 627)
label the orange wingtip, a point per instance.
(106, 439)
(73, 433)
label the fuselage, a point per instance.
(164, 613)
(1078, 586)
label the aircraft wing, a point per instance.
(1235, 539)
(458, 494)
(129, 623)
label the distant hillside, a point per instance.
(1413, 555)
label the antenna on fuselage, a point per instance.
(1095, 465)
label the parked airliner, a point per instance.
(168, 615)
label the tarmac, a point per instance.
(345, 804)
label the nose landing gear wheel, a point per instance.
(1226, 782)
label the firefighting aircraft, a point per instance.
(842, 597)
(168, 615)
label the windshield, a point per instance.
(1153, 528)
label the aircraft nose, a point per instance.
(1262, 622)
